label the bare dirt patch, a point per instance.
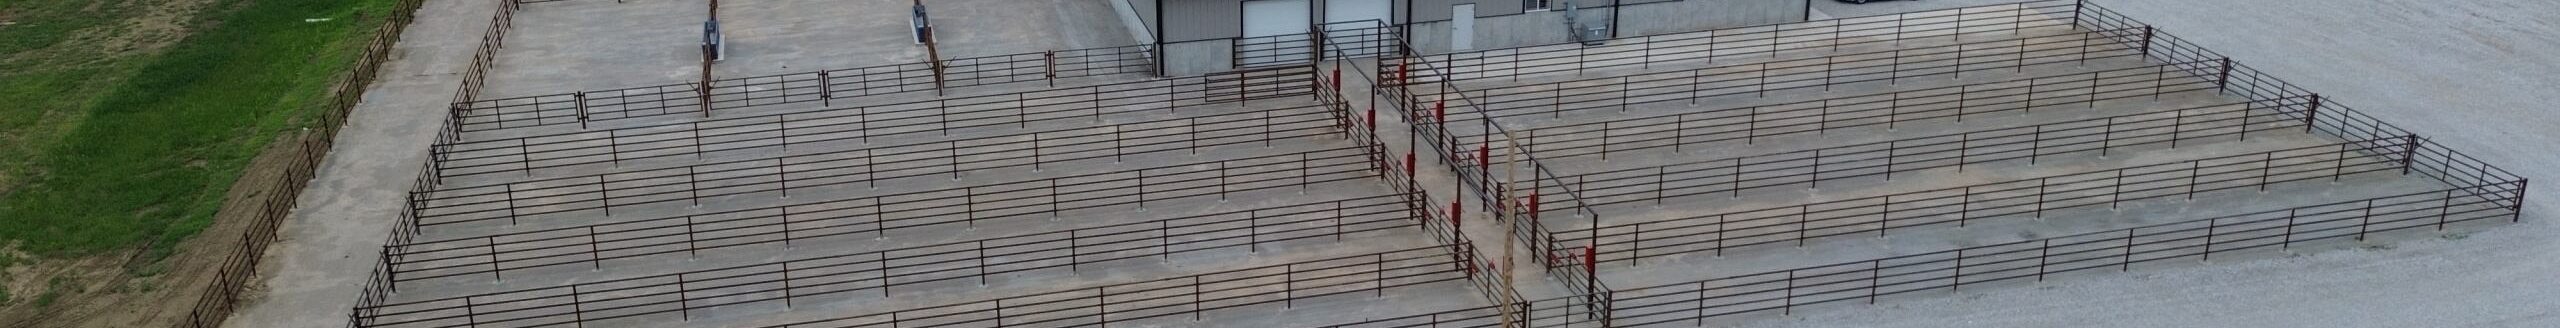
(118, 290)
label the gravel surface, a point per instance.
(2474, 74)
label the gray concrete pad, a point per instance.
(2455, 71)
(324, 253)
(564, 46)
(590, 45)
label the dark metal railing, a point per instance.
(1813, 166)
(1370, 273)
(2201, 239)
(1870, 280)
(1757, 80)
(1439, 224)
(871, 165)
(695, 185)
(1959, 206)
(820, 86)
(883, 270)
(591, 246)
(925, 118)
(1100, 306)
(1992, 21)
(970, 204)
(1749, 124)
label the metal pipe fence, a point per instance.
(2492, 193)
(592, 246)
(220, 297)
(1749, 124)
(820, 86)
(924, 118)
(1813, 166)
(1758, 79)
(2120, 249)
(1454, 153)
(1370, 273)
(378, 286)
(1101, 306)
(1880, 215)
(1441, 225)
(2082, 89)
(2076, 88)
(909, 159)
(883, 270)
(1870, 280)
(2004, 20)
(2331, 117)
(476, 75)
(599, 195)
(970, 204)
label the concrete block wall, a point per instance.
(1198, 57)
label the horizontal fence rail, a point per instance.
(1996, 21)
(1797, 74)
(819, 86)
(1451, 149)
(1675, 131)
(922, 118)
(1782, 290)
(2120, 249)
(1103, 305)
(378, 286)
(1881, 215)
(967, 205)
(2332, 117)
(592, 247)
(1748, 124)
(1441, 225)
(870, 166)
(882, 270)
(2491, 193)
(1811, 167)
(1367, 273)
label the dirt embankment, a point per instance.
(132, 288)
(121, 290)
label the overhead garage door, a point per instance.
(1275, 32)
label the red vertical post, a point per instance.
(1454, 215)
(1337, 79)
(1484, 160)
(1408, 164)
(1403, 71)
(1533, 206)
(1591, 264)
(1373, 119)
(1440, 110)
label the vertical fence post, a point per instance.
(581, 99)
(2311, 114)
(2146, 42)
(2366, 223)
(2222, 80)
(2409, 153)
(2076, 7)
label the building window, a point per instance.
(1532, 5)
